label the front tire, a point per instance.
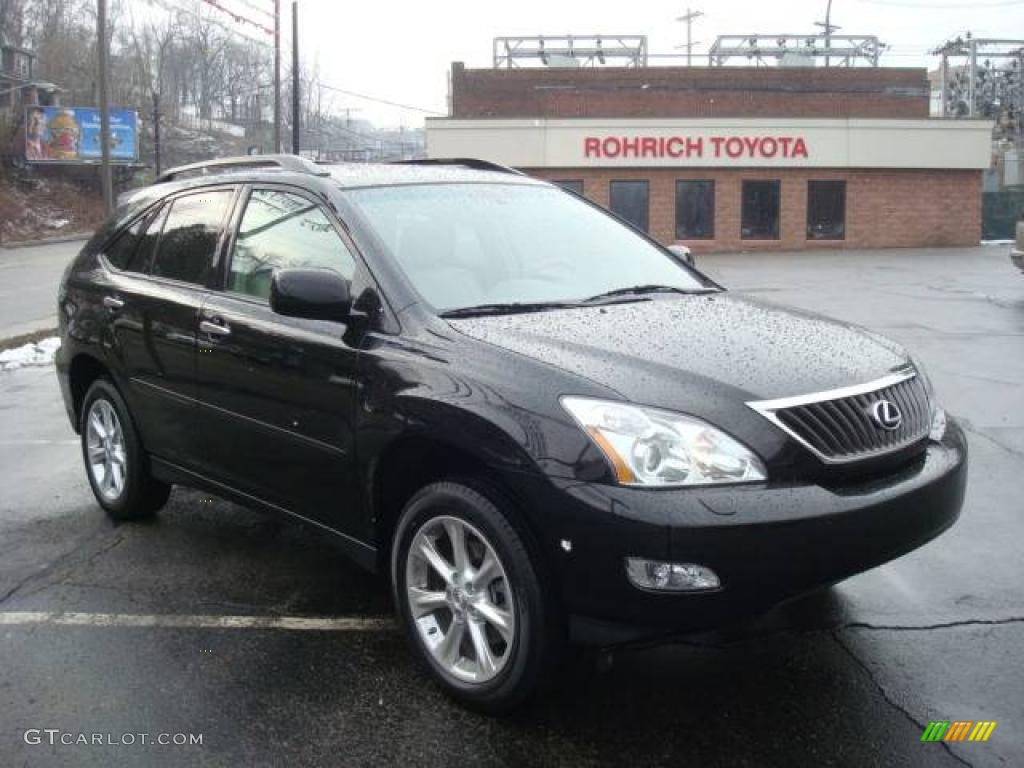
(115, 463)
(469, 597)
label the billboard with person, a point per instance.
(72, 135)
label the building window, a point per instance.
(21, 66)
(826, 210)
(630, 201)
(695, 210)
(572, 185)
(759, 219)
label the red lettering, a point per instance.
(675, 147)
(695, 147)
(591, 146)
(769, 147)
(631, 145)
(717, 141)
(751, 144)
(611, 147)
(785, 142)
(649, 147)
(799, 148)
(734, 146)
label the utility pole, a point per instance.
(106, 182)
(295, 77)
(277, 76)
(972, 81)
(829, 29)
(688, 18)
(944, 71)
(156, 131)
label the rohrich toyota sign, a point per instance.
(723, 147)
(715, 142)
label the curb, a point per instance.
(27, 338)
(71, 236)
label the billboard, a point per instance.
(72, 135)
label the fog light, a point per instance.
(670, 577)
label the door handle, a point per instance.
(112, 302)
(214, 329)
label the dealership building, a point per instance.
(734, 158)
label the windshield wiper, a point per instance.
(643, 290)
(508, 308)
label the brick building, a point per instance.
(730, 158)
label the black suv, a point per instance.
(539, 423)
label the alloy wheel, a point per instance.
(105, 449)
(460, 599)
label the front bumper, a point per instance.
(766, 543)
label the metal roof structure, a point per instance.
(836, 50)
(570, 51)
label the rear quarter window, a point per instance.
(123, 252)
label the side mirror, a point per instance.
(683, 254)
(315, 294)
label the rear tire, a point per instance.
(469, 598)
(115, 463)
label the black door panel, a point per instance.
(277, 397)
(155, 338)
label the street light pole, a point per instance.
(106, 182)
(277, 76)
(156, 131)
(295, 77)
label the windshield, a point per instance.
(468, 245)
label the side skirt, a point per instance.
(362, 553)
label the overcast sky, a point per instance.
(401, 51)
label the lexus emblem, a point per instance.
(886, 414)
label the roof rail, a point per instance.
(467, 162)
(284, 162)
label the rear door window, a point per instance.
(190, 236)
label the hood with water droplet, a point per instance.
(673, 349)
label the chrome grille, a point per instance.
(837, 425)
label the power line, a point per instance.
(382, 101)
(238, 17)
(174, 7)
(252, 6)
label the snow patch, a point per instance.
(998, 242)
(36, 353)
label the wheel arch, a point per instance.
(414, 461)
(83, 371)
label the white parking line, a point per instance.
(40, 442)
(57, 618)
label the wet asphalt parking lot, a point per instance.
(846, 677)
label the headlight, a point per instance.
(937, 428)
(649, 447)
